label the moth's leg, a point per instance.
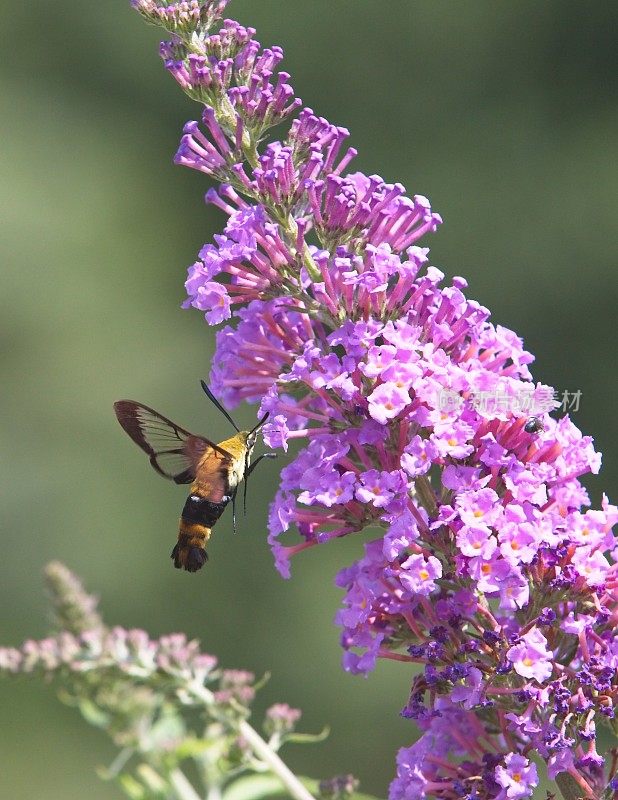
(257, 461)
(233, 499)
(248, 472)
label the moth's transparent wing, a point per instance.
(173, 452)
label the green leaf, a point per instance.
(191, 747)
(167, 730)
(307, 738)
(253, 787)
(152, 780)
(314, 788)
(93, 714)
(131, 787)
(262, 682)
(257, 787)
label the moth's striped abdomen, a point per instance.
(196, 521)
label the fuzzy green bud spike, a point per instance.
(74, 610)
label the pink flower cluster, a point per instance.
(126, 652)
(162, 700)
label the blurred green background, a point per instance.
(504, 114)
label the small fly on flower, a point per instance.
(534, 425)
(213, 470)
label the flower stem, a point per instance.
(184, 790)
(573, 787)
(263, 751)
(214, 793)
(118, 763)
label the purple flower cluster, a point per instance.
(490, 571)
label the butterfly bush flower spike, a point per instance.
(487, 573)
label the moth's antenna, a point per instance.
(260, 423)
(211, 397)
